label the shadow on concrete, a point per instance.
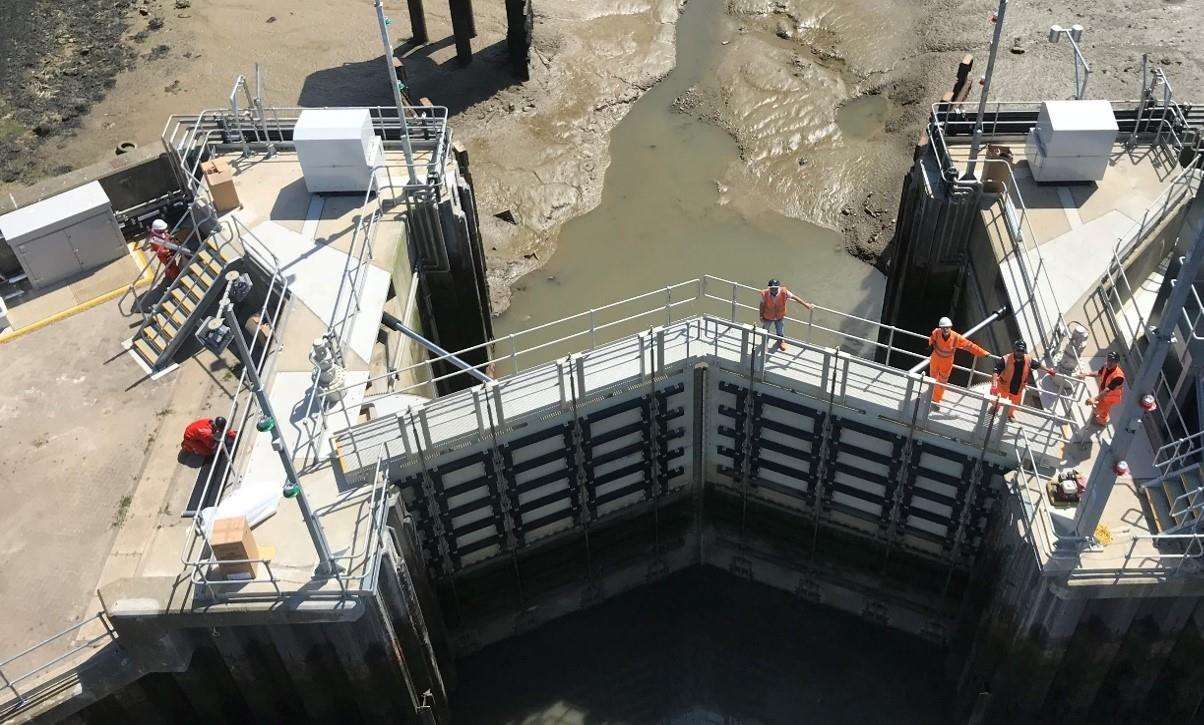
(447, 84)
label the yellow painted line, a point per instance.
(146, 278)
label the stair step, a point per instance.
(1161, 510)
(143, 350)
(155, 338)
(182, 294)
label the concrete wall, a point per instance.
(369, 659)
(1030, 650)
(925, 261)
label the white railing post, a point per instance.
(733, 301)
(668, 306)
(513, 354)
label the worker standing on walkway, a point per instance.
(1011, 376)
(201, 436)
(164, 246)
(942, 344)
(773, 310)
(1111, 380)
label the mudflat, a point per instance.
(824, 98)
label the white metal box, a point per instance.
(337, 149)
(1072, 141)
(64, 235)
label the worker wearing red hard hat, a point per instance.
(201, 437)
(1111, 381)
(1012, 373)
(164, 246)
(943, 343)
(773, 310)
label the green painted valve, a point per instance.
(291, 490)
(265, 424)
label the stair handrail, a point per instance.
(1172, 454)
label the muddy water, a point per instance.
(665, 216)
(705, 647)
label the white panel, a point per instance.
(854, 502)
(466, 473)
(868, 442)
(859, 483)
(937, 487)
(940, 464)
(483, 512)
(924, 504)
(926, 525)
(866, 465)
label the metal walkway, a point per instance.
(814, 430)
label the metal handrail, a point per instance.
(424, 124)
(1165, 461)
(10, 683)
(507, 350)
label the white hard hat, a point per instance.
(945, 322)
(159, 225)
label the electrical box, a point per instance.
(64, 235)
(337, 149)
(1072, 141)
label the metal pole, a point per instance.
(393, 323)
(976, 141)
(1103, 477)
(986, 321)
(326, 563)
(396, 86)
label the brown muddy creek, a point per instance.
(666, 216)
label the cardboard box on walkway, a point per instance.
(232, 540)
(221, 185)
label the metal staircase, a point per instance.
(185, 300)
(1176, 497)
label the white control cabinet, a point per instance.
(337, 149)
(1072, 141)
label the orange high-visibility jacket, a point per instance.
(774, 307)
(945, 348)
(1111, 384)
(1005, 371)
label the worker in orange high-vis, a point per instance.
(773, 309)
(1012, 372)
(942, 344)
(1111, 380)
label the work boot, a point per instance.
(781, 347)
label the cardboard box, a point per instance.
(232, 540)
(221, 185)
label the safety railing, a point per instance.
(824, 336)
(46, 662)
(1179, 454)
(426, 128)
(1028, 486)
(355, 572)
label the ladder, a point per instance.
(175, 314)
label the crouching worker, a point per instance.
(202, 437)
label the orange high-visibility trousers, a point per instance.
(1102, 408)
(939, 368)
(1015, 398)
